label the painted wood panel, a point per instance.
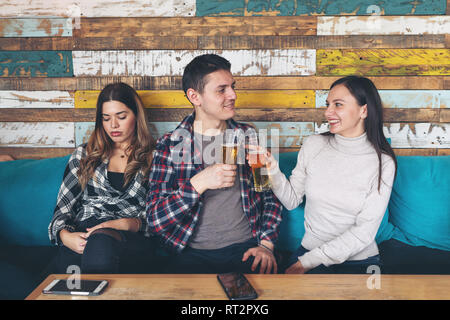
(403, 98)
(189, 27)
(172, 62)
(36, 64)
(291, 134)
(32, 27)
(97, 8)
(277, 134)
(242, 83)
(378, 25)
(318, 7)
(242, 114)
(416, 135)
(245, 99)
(222, 42)
(380, 62)
(36, 99)
(37, 134)
(35, 153)
(42, 153)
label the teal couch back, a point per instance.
(418, 212)
(28, 191)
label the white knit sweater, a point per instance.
(344, 209)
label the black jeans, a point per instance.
(347, 267)
(103, 253)
(223, 260)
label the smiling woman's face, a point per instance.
(344, 115)
(118, 121)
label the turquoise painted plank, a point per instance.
(403, 98)
(36, 64)
(52, 27)
(318, 7)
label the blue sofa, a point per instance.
(414, 236)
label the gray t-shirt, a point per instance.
(222, 221)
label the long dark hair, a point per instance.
(100, 146)
(365, 92)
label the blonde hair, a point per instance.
(100, 146)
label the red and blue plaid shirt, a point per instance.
(173, 205)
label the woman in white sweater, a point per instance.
(346, 175)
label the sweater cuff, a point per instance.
(311, 259)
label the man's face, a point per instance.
(218, 97)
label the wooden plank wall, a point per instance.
(55, 56)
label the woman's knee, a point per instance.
(102, 251)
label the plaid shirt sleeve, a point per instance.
(67, 200)
(172, 206)
(270, 217)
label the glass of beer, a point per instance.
(229, 153)
(259, 170)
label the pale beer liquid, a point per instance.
(229, 154)
(261, 180)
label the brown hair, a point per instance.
(100, 146)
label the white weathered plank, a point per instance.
(383, 25)
(172, 62)
(98, 8)
(36, 99)
(402, 98)
(417, 135)
(37, 134)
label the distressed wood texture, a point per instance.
(247, 83)
(35, 153)
(285, 134)
(403, 98)
(221, 42)
(37, 134)
(376, 25)
(43, 153)
(97, 8)
(291, 134)
(188, 27)
(383, 62)
(412, 135)
(172, 62)
(36, 64)
(242, 114)
(246, 99)
(54, 27)
(318, 7)
(36, 99)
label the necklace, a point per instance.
(122, 156)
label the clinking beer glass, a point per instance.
(257, 162)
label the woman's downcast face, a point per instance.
(118, 121)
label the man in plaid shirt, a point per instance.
(207, 211)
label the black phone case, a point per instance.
(239, 278)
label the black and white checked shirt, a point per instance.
(99, 199)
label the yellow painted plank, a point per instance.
(377, 62)
(245, 98)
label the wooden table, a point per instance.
(269, 287)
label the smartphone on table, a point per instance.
(82, 288)
(236, 286)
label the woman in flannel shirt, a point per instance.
(100, 212)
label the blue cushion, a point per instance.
(420, 201)
(28, 191)
(292, 228)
